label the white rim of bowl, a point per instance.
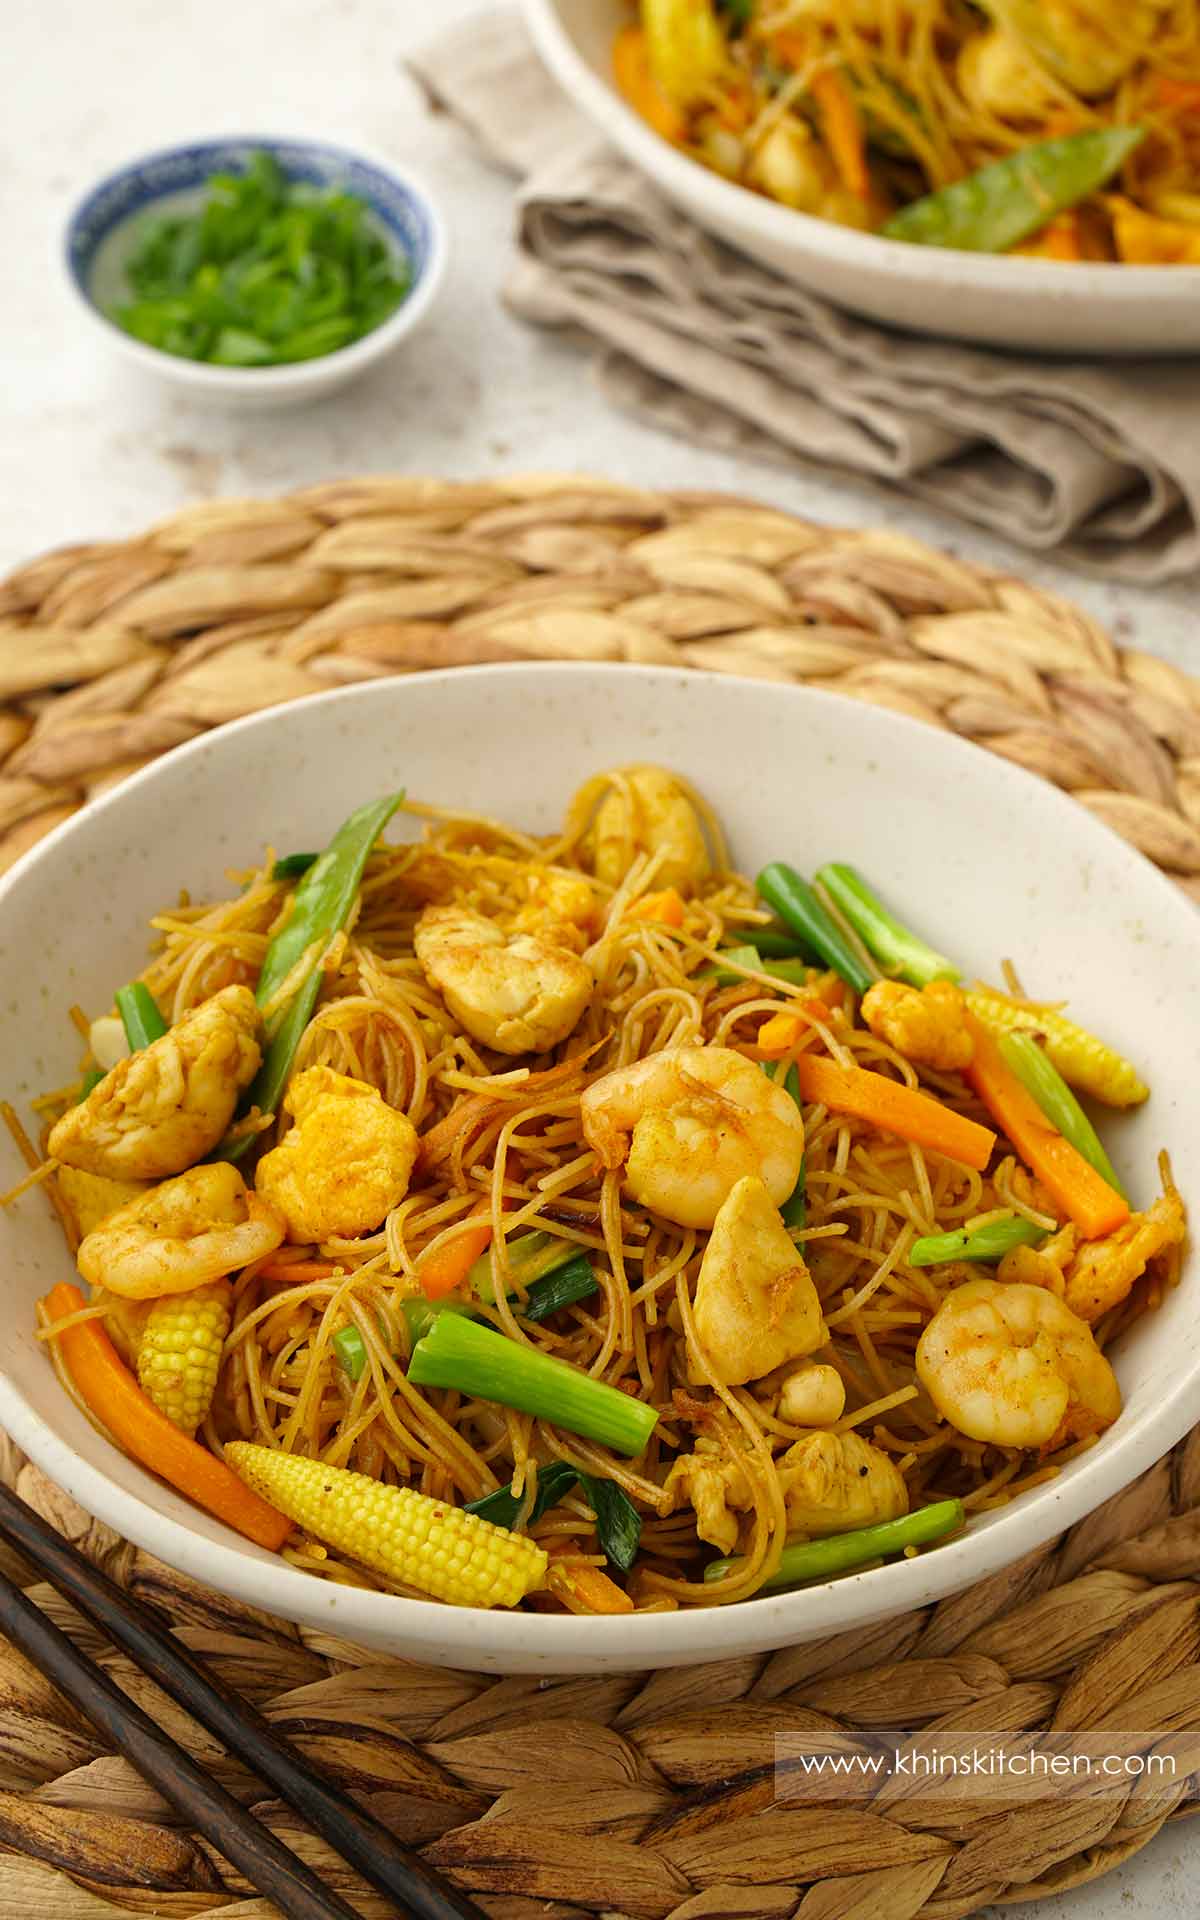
(603, 104)
(349, 360)
(622, 1640)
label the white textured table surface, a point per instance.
(88, 449)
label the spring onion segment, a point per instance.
(476, 1360)
(140, 1017)
(980, 1243)
(791, 897)
(618, 1523)
(897, 950)
(823, 1559)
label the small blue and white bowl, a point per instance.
(103, 229)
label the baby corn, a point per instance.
(1083, 1060)
(403, 1535)
(179, 1352)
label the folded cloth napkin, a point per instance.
(1096, 461)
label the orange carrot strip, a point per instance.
(791, 47)
(1060, 240)
(894, 1108)
(299, 1270)
(1094, 1206)
(586, 1589)
(446, 1268)
(635, 79)
(783, 1032)
(1179, 93)
(843, 131)
(666, 908)
(114, 1396)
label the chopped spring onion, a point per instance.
(1040, 1077)
(91, 1078)
(981, 1243)
(774, 943)
(530, 1255)
(140, 1016)
(458, 1352)
(797, 905)
(574, 1281)
(618, 1523)
(351, 1350)
(840, 1552)
(897, 950)
(793, 972)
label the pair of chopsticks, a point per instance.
(361, 1840)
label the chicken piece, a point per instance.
(834, 1482)
(812, 1396)
(90, 1198)
(1041, 1266)
(518, 992)
(561, 907)
(199, 1227)
(717, 1489)
(998, 75)
(344, 1165)
(1103, 1271)
(1144, 239)
(163, 1108)
(689, 1123)
(928, 1026)
(756, 1306)
(648, 810)
(1088, 44)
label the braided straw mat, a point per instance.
(658, 1801)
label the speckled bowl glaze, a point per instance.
(101, 232)
(986, 860)
(1045, 305)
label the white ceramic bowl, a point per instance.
(102, 229)
(982, 857)
(1006, 302)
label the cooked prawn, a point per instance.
(516, 992)
(190, 1230)
(643, 810)
(690, 1123)
(1010, 1364)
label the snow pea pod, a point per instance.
(1001, 205)
(321, 907)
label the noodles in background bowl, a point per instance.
(638, 890)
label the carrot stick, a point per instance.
(666, 908)
(586, 1589)
(1094, 1206)
(783, 1032)
(1179, 93)
(299, 1270)
(634, 78)
(843, 131)
(894, 1108)
(445, 1269)
(114, 1396)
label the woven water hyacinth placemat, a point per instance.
(659, 1803)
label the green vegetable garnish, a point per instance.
(140, 1017)
(267, 271)
(559, 1289)
(822, 1559)
(530, 1255)
(91, 1078)
(291, 865)
(897, 950)
(773, 943)
(351, 1350)
(320, 908)
(475, 1360)
(799, 908)
(1040, 1077)
(618, 1523)
(1001, 205)
(984, 1243)
(793, 971)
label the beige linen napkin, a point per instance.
(1098, 462)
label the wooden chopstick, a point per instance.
(139, 1630)
(204, 1803)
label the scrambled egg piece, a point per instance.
(518, 993)
(716, 1487)
(834, 1482)
(1103, 1271)
(655, 815)
(199, 1227)
(928, 1026)
(561, 906)
(344, 1165)
(90, 1198)
(756, 1306)
(163, 1108)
